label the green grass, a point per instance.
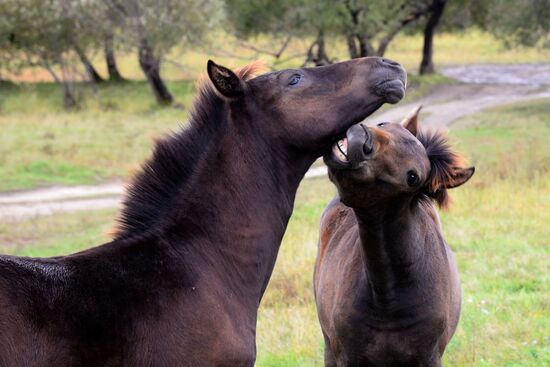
(56, 234)
(497, 226)
(111, 132)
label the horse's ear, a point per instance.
(459, 177)
(225, 81)
(410, 122)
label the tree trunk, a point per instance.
(352, 47)
(427, 66)
(112, 69)
(151, 68)
(90, 70)
(322, 57)
(316, 53)
(359, 45)
(365, 47)
(69, 99)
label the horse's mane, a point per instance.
(443, 160)
(174, 160)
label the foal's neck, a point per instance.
(392, 246)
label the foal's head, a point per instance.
(390, 161)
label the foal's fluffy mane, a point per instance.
(175, 159)
(443, 160)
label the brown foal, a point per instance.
(386, 284)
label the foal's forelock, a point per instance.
(443, 160)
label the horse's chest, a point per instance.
(364, 343)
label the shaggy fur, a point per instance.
(174, 160)
(443, 161)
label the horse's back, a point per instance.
(98, 308)
(26, 286)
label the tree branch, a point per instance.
(261, 51)
(411, 17)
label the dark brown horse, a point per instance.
(386, 284)
(202, 224)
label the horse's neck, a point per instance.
(392, 242)
(237, 210)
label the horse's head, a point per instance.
(394, 161)
(310, 108)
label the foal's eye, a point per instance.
(382, 124)
(412, 178)
(295, 79)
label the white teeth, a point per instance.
(343, 144)
(340, 150)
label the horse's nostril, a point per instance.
(367, 148)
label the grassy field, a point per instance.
(497, 226)
(108, 136)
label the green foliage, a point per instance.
(250, 18)
(108, 136)
(364, 19)
(42, 30)
(515, 22)
(163, 23)
(524, 22)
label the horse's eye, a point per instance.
(295, 79)
(382, 124)
(412, 178)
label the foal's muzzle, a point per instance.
(360, 144)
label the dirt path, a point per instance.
(19, 205)
(481, 87)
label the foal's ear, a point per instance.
(225, 81)
(460, 176)
(410, 122)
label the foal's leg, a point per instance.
(433, 362)
(330, 360)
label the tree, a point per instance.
(110, 60)
(154, 27)
(520, 22)
(112, 23)
(436, 9)
(88, 30)
(361, 22)
(281, 20)
(6, 38)
(364, 21)
(40, 34)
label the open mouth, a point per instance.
(337, 157)
(340, 150)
